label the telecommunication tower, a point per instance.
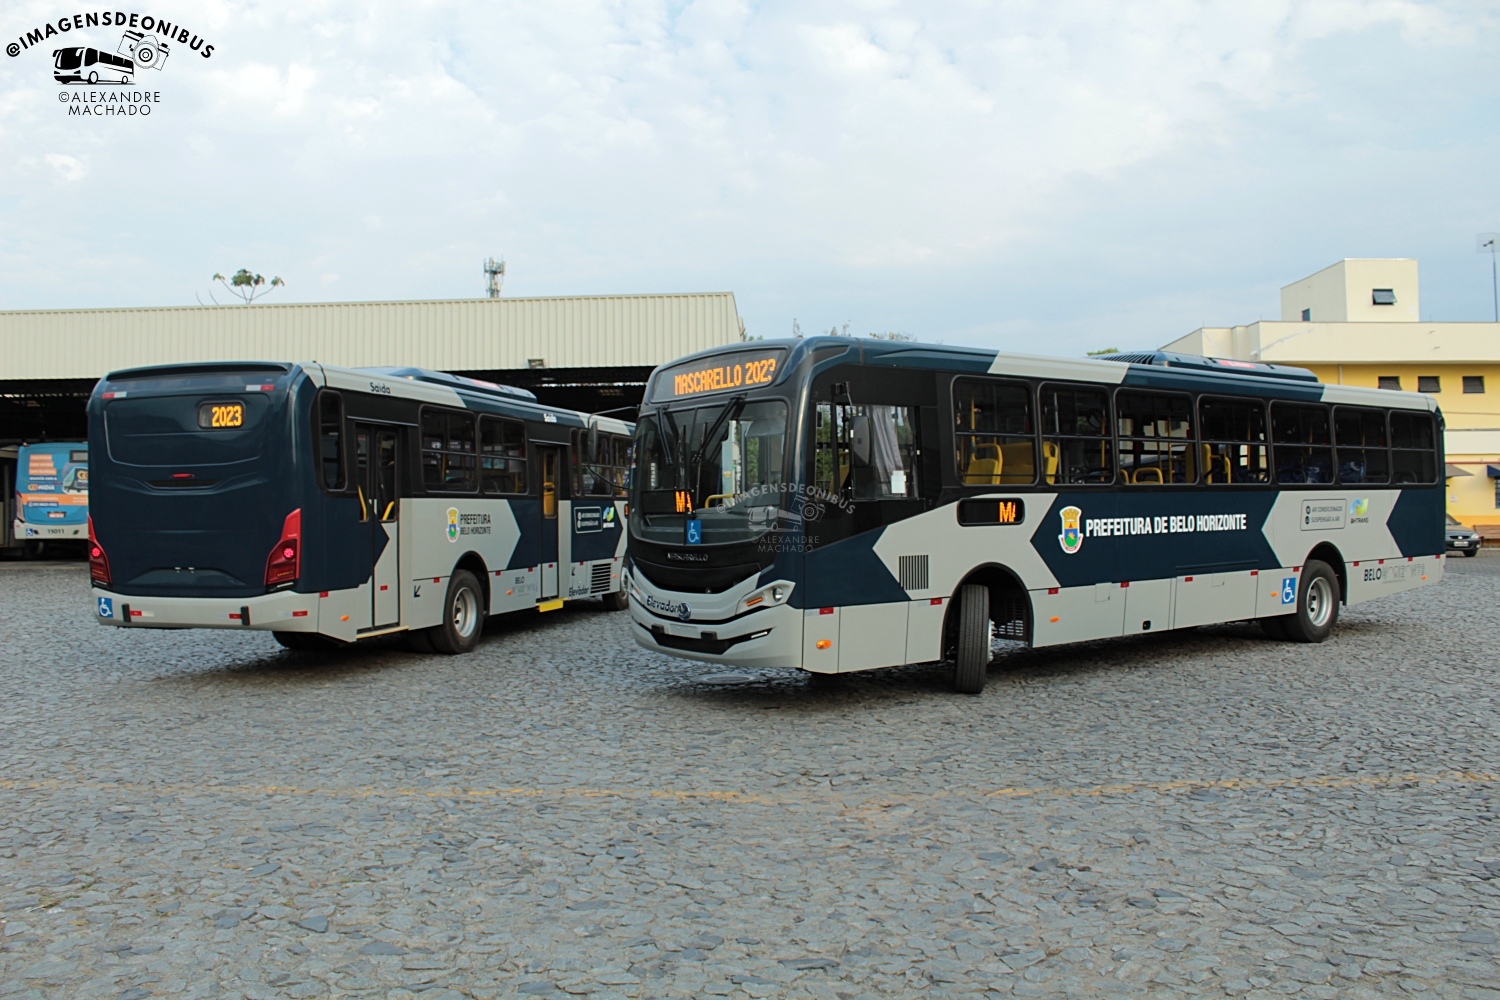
(494, 271)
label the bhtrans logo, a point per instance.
(113, 63)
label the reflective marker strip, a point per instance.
(825, 611)
(936, 600)
(1051, 590)
(299, 614)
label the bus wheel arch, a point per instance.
(1327, 552)
(1010, 604)
(474, 563)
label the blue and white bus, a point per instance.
(841, 505)
(329, 504)
(51, 496)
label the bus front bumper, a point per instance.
(771, 637)
(284, 611)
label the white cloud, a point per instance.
(66, 168)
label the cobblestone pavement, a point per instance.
(202, 814)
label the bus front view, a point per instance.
(716, 513)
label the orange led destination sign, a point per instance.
(1009, 510)
(721, 374)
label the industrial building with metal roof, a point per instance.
(588, 353)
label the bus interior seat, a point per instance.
(1051, 456)
(1215, 467)
(985, 470)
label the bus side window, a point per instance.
(448, 451)
(502, 455)
(1360, 442)
(331, 439)
(1302, 443)
(994, 436)
(1413, 448)
(1233, 432)
(1077, 448)
(1156, 439)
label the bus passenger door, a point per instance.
(552, 466)
(386, 528)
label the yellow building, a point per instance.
(1357, 323)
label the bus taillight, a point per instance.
(285, 561)
(98, 561)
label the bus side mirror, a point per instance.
(593, 442)
(859, 441)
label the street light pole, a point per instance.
(1491, 242)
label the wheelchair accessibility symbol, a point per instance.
(106, 607)
(1289, 590)
(695, 532)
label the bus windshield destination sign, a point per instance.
(736, 371)
(217, 416)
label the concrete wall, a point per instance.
(1341, 293)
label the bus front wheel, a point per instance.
(463, 615)
(972, 661)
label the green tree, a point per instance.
(1103, 350)
(246, 286)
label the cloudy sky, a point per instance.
(1047, 176)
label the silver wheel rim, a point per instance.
(1319, 602)
(465, 612)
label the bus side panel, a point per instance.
(872, 635)
(1077, 614)
(924, 630)
(440, 531)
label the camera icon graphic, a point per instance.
(145, 50)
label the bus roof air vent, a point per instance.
(1196, 362)
(453, 382)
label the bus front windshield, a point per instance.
(723, 463)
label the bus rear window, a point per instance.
(165, 430)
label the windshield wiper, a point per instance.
(730, 411)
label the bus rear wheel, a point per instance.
(616, 601)
(463, 616)
(972, 660)
(1317, 604)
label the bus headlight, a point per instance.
(769, 596)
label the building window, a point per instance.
(1474, 383)
(1307, 315)
(1383, 296)
(1497, 494)
(1390, 382)
(1429, 383)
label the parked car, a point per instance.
(1461, 539)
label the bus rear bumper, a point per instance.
(285, 611)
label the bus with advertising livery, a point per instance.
(51, 496)
(329, 504)
(841, 505)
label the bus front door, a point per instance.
(552, 465)
(378, 451)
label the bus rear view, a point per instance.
(198, 505)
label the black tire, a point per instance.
(972, 660)
(463, 616)
(306, 642)
(419, 640)
(1274, 628)
(617, 601)
(1317, 604)
(1471, 553)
